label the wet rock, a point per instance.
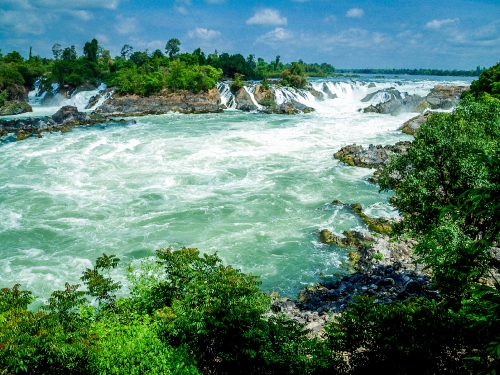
(164, 102)
(399, 103)
(445, 97)
(244, 101)
(15, 107)
(373, 157)
(328, 92)
(66, 118)
(70, 114)
(412, 126)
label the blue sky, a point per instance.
(442, 34)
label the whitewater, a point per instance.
(255, 188)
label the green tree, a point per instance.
(57, 51)
(126, 51)
(90, 50)
(172, 47)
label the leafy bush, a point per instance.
(36, 342)
(133, 348)
(415, 338)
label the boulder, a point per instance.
(413, 125)
(164, 102)
(14, 107)
(399, 104)
(244, 101)
(70, 114)
(327, 91)
(373, 157)
(445, 97)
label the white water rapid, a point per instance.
(254, 188)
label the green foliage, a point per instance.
(64, 304)
(210, 307)
(133, 348)
(74, 72)
(415, 338)
(90, 50)
(103, 288)
(294, 76)
(172, 47)
(37, 342)
(237, 83)
(15, 299)
(488, 82)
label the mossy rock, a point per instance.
(379, 225)
(65, 129)
(354, 258)
(348, 159)
(21, 135)
(357, 208)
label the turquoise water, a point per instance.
(254, 188)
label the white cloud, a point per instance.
(126, 25)
(72, 4)
(267, 16)
(102, 39)
(22, 22)
(81, 14)
(275, 37)
(204, 34)
(355, 13)
(181, 6)
(331, 18)
(358, 38)
(436, 24)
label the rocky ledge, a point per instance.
(373, 157)
(182, 101)
(412, 126)
(385, 284)
(14, 107)
(264, 101)
(395, 102)
(62, 121)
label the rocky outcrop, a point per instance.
(14, 107)
(384, 283)
(373, 157)
(413, 125)
(328, 92)
(182, 101)
(445, 97)
(395, 102)
(62, 121)
(289, 108)
(244, 101)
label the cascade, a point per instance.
(226, 96)
(250, 91)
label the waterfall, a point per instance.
(250, 91)
(226, 96)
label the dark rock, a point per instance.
(14, 107)
(164, 102)
(412, 126)
(69, 114)
(372, 157)
(445, 97)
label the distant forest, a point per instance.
(417, 72)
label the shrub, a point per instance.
(419, 337)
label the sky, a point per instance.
(442, 34)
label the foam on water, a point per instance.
(255, 188)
